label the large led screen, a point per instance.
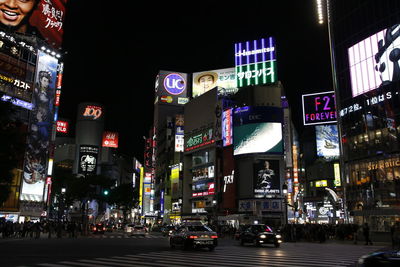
(327, 138)
(266, 178)
(374, 62)
(223, 79)
(257, 130)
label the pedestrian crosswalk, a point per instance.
(116, 236)
(291, 254)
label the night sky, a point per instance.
(112, 53)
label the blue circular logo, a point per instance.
(174, 84)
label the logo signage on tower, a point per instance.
(171, 88)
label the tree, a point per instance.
(11, 148)
(125, 197)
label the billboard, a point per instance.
(42, 18)
(227, 127)
(255, 62)
(223, 79)
(62, 127)
(266, 178)
(40, 128)
(319, 108)
(327, 138)
(88, 156)
(110, 139)
(257, 130)
(171, 88)
(373, 61)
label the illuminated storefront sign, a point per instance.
(174, 83)
(62, 127)
(199, 140)
(110, 139)
(336, 171)
(92, 112)
(171, 88)
(260, 205)
(319, 108)
(321, 183)
(255, 62)
(17, 102)
(372, 63)
(227, 127)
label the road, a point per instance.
(117, 249)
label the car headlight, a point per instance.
(278, 236)
(263, 236)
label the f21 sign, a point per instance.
(319, 108)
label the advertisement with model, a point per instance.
(223, 79)
(266, 178)
(40, 129)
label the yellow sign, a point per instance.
(321, 183)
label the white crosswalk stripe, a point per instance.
(126, 236)
(292, 255)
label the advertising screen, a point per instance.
(62, 127)
(373, 62)
(327, 138)
(110, 139)
(88, 156)
(319, 108)
(255, 62)
(40, 128)
(266, 178)
(171, 87)
(257, 130)
(223, 79)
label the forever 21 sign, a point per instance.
(319, 108)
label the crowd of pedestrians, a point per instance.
(30, 229)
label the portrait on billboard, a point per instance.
(223, 79)
(266, 178)
(42, 18)
(40, 127)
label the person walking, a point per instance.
(366, 234)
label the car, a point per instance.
(260, 234)
(133, 229)
(380, 258)
(240, 231)
(168, 230)
(98, 228)
(194, 235)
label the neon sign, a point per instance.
(319, 108)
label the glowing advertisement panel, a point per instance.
(223, 79)
(319, 108)
(257, 130)
(88, 157)
(374, 61)
(266, 178)
(227, 129)
(40, 129)
(327, 138)
(255, 62)
(110, 139)
(171, 87)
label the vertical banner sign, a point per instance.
(227, 129)
(40, 129)
(255, 62)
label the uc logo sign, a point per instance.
(174, 83)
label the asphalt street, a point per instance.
(118, 249)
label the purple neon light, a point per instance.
(247, 49)
(262, 47)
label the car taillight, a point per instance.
(214, 236)
(104, 228)
(193, 236)
(94, 228)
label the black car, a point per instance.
(168, 230)
(194, 235)
(380, 258)
(259, 234)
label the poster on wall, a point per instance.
(266, 178)
(40, 128)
